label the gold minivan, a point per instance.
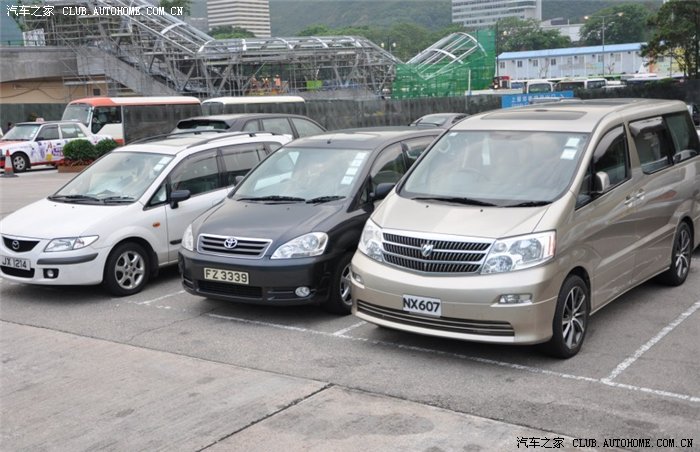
(517, 225)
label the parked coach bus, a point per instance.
(254, 104)
(130, 118)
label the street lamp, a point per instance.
(620, 14)
(391, 46)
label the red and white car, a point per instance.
(41, 143)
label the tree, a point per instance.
(677, 33)
(515, 35)
(316, 30)
(624, 23)
(186, 5)
(230, 32)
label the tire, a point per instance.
(570, 321)
(20, 162)
(127, 269)
(681, 255)
(339, 300)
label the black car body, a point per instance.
(294, 125)
(234, 249)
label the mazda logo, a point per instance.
(427, 249)
(230, 243)
(15, 245)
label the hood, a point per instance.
(470, 221)
(48, 219)
(275, 221)
(6, 143)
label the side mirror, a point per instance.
(601, 183)
(237, 180)
(382, 191)
(177, 196)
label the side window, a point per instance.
(239, 159)
(684, 136)
(48, 133)
(389, 166)
(252, 126)
(198, 174)
(654, 144)
(105, 115)
(277, 125)
(610, 161)
(415, 147)
(305, 127)
(71, 131)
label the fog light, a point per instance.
(50, 273)
(515, 298)
(302, 291)
(357, 278)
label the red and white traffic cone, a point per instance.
(9, 168)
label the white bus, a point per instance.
(130, 118)
(254, 104)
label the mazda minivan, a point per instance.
(517, 225)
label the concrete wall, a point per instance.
(47, 91)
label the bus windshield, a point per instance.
(77, 112)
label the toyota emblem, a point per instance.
(427, 249)
(230, 243)
(15, 245)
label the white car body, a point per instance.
(151, 220)
(33, 150)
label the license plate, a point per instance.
(215, 274)
(422, 305)
(15, 262)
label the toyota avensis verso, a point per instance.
(288, 231)
(123, 217)
(516, 225)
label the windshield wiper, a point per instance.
(320, 199)
(529, 204)
(273, 198)
(74, 198)
(455, 199)
(119, 199)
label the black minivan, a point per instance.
(287, 232)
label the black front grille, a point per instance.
(244, 247)
(452, 325)
(18, 272)
(231, 290)
(19, 246)
(434, 255)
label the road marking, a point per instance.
(530, 369)
(148, 302)
(643, 349)
(350, 328)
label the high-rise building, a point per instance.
(253, 15)
(485, 13)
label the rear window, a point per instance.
(202, 124)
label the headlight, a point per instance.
(70, 243)
(371, 241)
(517, 253)
(188, 239)
(307, 245)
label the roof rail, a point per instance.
(174, 135)
(231, 135)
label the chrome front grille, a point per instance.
(245, 247)
(434, 254)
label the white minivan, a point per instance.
(518, 224)
(123, 217)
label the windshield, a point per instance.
(502, 168)
(304, 174)
(21, 132)
(77, 112)
(117, 177)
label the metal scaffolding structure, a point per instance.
(158, 53)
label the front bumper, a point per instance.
(270, 282)
(77, 267)
(470, 309)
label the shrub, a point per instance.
(104, 146)
(79, 150)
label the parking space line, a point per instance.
(530, 369)
(641, 350)
(350, 328)
(148, 302)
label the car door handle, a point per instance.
(629, 200)
(640, 195)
